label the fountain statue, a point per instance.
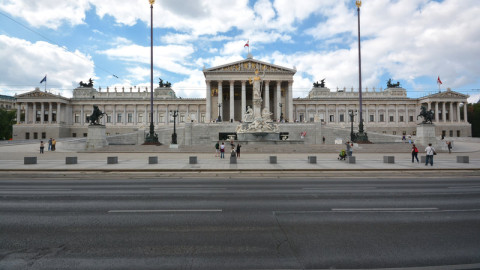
(257, 123)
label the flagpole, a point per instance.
(45, 82)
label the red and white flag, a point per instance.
(438, 80)
(246, 44)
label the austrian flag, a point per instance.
(438, 80)
(246, 44)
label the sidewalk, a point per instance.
(12, 159)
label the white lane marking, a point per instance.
(464, 187)
(183, 188)
(165, 211)
(338, 188)
(382, 209)
(34, 189)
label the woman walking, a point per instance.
(414, 153)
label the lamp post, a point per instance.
(361, 136)
(281, 113)
(219, 119)
(151, 138)
(174, 135)
(352, 135)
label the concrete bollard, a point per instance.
(233, 159)
(112, 160)
(29, 160)
(463, 159)
(273, 159)
(71, 160)
(388, 159)
(351, 160)
(192, 160)
(312, 159)
(152, 160)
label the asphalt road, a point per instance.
(240, 223)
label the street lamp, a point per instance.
(219, 119)
(151, 138)
(281, 113)
(361, 136)
(352, 135)
(174, 135)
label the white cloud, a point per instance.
(24, 64)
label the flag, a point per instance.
(438, 80)
(246, 44)
(44, 79)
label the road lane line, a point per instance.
(165, 211)
(381, 209)
(464, 187)
(184, 188)
(339, 188)
(34, 189)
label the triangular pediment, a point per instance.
(448, 95)
(37, 94)
(250, 65)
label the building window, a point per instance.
(44, 135)
(119, 117)
(404, 133)
(342, 117)
(382, 118)
(401, 118)
(384, 132)
(372, 118)
(391, 118)
(414, 133)
(85, 134)
(451, 133)
(458, 133)
(182, 118)
(394, 133)
(202, 118)
(77, 118)
(332, 118)
(129, 118)
(27, 136)
(140, 117)
(411, 118)
(74, 135)
(35, 135)
(160, 118)
(109, 119)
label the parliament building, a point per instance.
(42, 115)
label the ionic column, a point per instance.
(458, 112)
(198, 113)
(327, 115)
(429, 105)
(42, 111)
(220, 99)
(232, 108)
(436, 111)
(114, 115)
(367, 117)
(82, 118)
(18, 113)
(267, 95)
(337, 120)
(147, 115)
(444, 113)
(135, 115)
(450, 113)
(406, 113)
(49, 112)
(26, 113)
(209, 102)
(465, 111)
(244, 98)
(124, 114)
(279, 99)
(290, 100)
(167, 115)
(396, 114)
(58, 113)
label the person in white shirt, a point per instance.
(430, 152)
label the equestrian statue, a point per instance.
(94, 118)
(427, 115)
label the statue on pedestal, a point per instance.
(426, 115)
(94, 118)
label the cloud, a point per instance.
(24, 64)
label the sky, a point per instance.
(410, 41)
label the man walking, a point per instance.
(430, 152)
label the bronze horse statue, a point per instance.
(94, 118)
(427, 115)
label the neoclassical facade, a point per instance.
(42, 115)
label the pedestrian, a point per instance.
(42, 145)
(414, 153)
(323, 139)
(222, 150)
(50, 144)
(449, 146)
(403, 138)
(54, 143)
(238, 150)
(217, 148)
(430, 152)
(349, 148)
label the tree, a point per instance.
(7, 119)
(473, 114)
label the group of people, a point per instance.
(220, 149)
(430, 151)
(51, 145)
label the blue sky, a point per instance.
(411, 41)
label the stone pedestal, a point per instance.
(96, 137)
(426, 134)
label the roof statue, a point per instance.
(89, 84)
(392, 85)
(321, 84)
